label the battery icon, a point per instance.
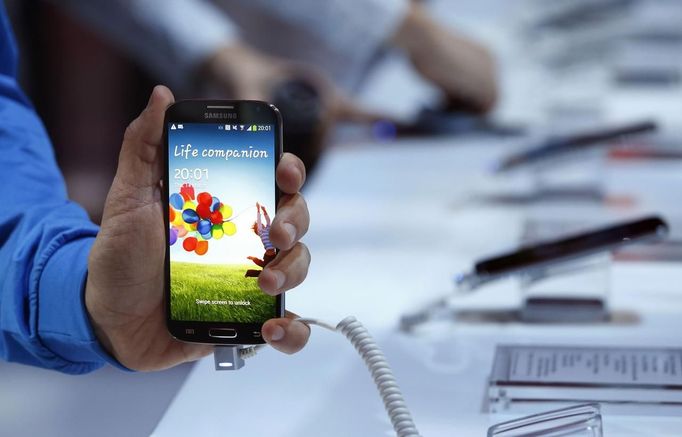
(252, 128)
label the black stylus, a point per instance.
(541, 255)
(554, 147)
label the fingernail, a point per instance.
(279, 278)
(291, 231)
(277, 333)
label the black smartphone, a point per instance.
(599, 240)
(220, 197)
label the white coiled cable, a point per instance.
(383, 376)
(376, 362)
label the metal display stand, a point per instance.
(580, 179)
(576, 291)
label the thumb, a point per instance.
(139, 163)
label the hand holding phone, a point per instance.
(124, 293)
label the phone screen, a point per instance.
(221, 202)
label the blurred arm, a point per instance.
(344, 37)
(172, 38)
(462, 68)
(44, 241)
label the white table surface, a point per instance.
(390, 225)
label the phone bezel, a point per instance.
(194, 111)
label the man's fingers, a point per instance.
(285, 334)
(140, 157)
(290, 173)
(287, 270)
(291, 222)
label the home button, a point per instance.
(222, 333)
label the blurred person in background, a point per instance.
(306, 56)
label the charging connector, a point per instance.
(227, 357)
(231, 356)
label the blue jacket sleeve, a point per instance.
(44, 242)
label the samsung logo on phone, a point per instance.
(219, 115)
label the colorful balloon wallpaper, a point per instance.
(195, 221)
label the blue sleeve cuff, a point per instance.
(63, 324)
